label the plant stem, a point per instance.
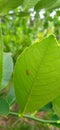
(36, 118)
(14, 113)
(39, 119)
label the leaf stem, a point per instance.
(14, 113)
(36, 118)
(39, 119)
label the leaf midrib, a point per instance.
(39, 64)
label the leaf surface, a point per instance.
(56, 105)
(30, 3)
(51, 4)
(7, 69)
(40, 4)
(1, 51)
(6, 5)
(37, 75)
(11, 96)
(4, 107)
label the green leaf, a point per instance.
(56, 105)
(1, 51)
(0, 61)
(37, 75)
(6, 5)
(39, 4)
(29, 3)
(7, 69)
(56, 4)
(51, 4)
(11, 96)
(57, 119)
(4, 107)
(46, 107)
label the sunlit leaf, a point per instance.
(37, 75)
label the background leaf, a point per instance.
(51, 4)
(7, 69)
(11, 96)
(6, 5)
(4, 107)
(39, 4)
(56, 106)
(30, 3)
(45, 4)
(1, 51)
(37, 76)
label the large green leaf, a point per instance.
(4, 107)
(7, 69)
(6, 5)
(37, 75)
(56, 105)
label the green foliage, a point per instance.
(52, 4)
(38, 4)
(36, 59)
(56, 105)
(7, 69)
(11, 96)
(6, 5)
(1, 51)
(35, 74)
(30, 3)
(4, 107)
